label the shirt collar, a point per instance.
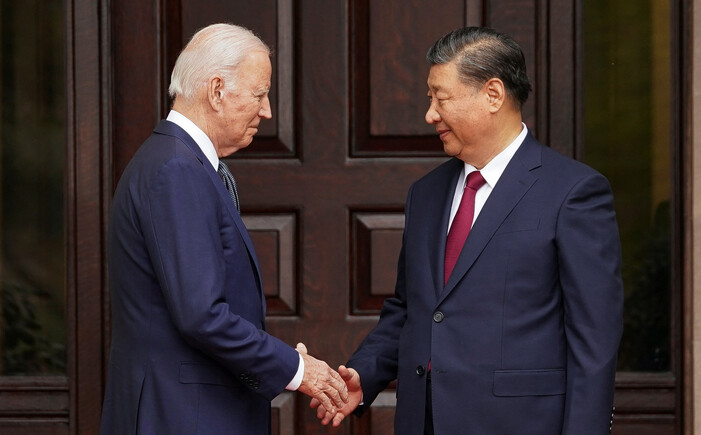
(196, 133)
(492, 171)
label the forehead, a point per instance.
(443, 76)
(255, 69)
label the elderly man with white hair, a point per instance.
(189, 352)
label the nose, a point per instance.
(432, 115)
(265, 110)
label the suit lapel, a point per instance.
(172, 129)
(516, 180)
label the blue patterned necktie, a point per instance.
(230, 183)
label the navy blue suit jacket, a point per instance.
(189, 352)
(524, 336)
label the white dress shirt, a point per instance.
(491, 173)
(207, 147)
(196, 133)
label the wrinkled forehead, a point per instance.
(255, 68)
(442, 75)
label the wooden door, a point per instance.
(323, 184)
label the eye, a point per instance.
(439, 101)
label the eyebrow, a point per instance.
(437, 89)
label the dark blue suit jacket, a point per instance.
(523, 338)
(189, 352)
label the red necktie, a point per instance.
(462, 222)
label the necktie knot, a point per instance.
(475, 180)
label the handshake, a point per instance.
(334, 394)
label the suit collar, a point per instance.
(517, 179)
(200, 137)
(170, 128)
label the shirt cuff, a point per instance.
(297, 380)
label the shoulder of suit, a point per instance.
(565, 163)
(559, 169)
(171, 143)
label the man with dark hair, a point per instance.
(507, 312)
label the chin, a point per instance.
(450, 151)
(245, 142)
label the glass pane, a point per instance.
(32, 164)
(627, 116)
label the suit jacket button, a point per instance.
(420, 370)
(438, 317)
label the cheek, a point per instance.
(248, 115)
(449, 119)
(243, 113)
(462, 119)
(256, 111)
(236, 124)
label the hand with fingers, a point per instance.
(322, 383)
(355, 395)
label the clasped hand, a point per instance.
(352, 393)
(322, 383)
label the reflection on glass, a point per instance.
(627, 92)
(32, 164)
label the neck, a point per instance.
(191, 111)
(505, 131)
(196, 113)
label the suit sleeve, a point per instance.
(589, 256)
(376, 359)
(182, 229)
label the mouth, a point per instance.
(442, 133)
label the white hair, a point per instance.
(214, 50)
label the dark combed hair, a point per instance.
(481, 54)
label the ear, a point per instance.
(496, 94)
(215, 92)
